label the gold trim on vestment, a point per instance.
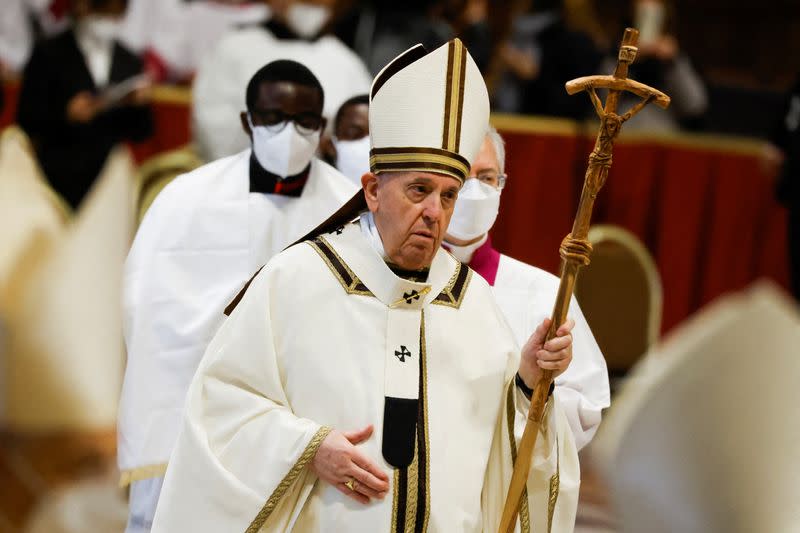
(356, 286)
(452, 295)
(395, 498)
(126, 477)
(555, 479)
(424, 397)
(412, 472)
(555, 484)
(412, 491)
(511, 411)
(288, 479)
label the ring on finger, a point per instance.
(351, 484)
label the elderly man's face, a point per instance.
(412, 211)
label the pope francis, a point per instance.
(365, 379)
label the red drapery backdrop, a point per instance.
(703, 206)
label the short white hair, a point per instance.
(499, 148)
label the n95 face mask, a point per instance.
(101, 29)
(286, 152)
(352, 158)
(475, 211)
(306, 20)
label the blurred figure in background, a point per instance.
(204, 236)
(175, 35)
(661, 63)
(380, 30)
(383, 29)
(550, 43)
(787, 139)
(524, 293)
(296, 31)
(17, 31)
(674, 451)
(82, 93)
(61, 360)
(16, 37)
(349, 146)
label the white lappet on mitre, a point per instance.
(331, 336)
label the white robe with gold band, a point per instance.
(200, 241)
(526, 295)
(322, 336)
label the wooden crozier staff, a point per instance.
(575, 248)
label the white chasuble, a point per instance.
(526, 295)
(328, 336)
(201, 240)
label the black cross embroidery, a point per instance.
(402, 354)
(408, 297)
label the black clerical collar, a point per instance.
(263, 181)
(281, 31)
(417, 276)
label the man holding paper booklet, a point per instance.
(83, 93)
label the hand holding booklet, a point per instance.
(115, 94)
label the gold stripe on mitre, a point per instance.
(418, 159)
(454, 95)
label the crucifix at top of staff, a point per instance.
(575, 248)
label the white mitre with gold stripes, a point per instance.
(428, 112)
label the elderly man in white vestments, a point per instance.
(202, 238)
(523, 292)
(295, 31)
(366, 381)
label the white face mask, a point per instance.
(352, 157)
(285, 153)
(475, 211)
(99, 28)
(306, 20)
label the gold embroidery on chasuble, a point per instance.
(337, 266)
(411, 486)
(524, 511)
(555, 483)
(453, 294)
(287, 481)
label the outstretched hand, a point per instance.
(338, 461)
(555, 354)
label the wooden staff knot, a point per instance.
(576, 250)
